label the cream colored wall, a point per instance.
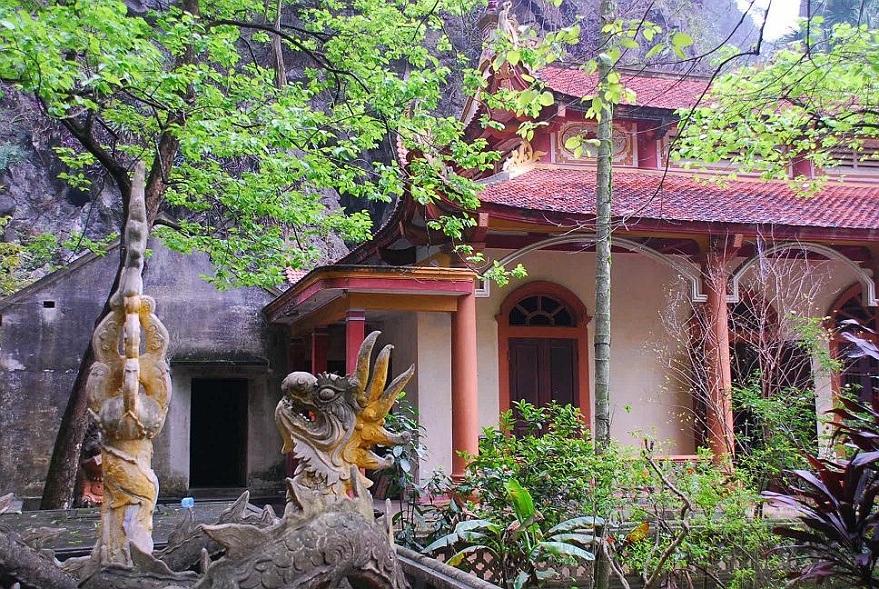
(643, 401)
(402, 333)
(434, 386)
(647, 398)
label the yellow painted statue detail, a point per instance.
(128, 395)
(332, 423)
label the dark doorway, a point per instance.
(218, 433)
(543, 370)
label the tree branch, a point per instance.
(316, 56)
(686, 508)
(93, 146)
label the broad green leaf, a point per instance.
(577, 523)
(681, 40)
(457, 558)
(573, 538)
(450, 540)
(546, 99)
(654, 51)
(564, 549)
(521, 499)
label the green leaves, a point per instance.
(813, 107)
(520, 550)
(250, 169)
(520, 498)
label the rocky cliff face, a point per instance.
(31, 192)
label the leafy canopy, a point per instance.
(245, 162)
(814, 100)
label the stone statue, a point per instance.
(508, 23)
(128, 396)
(331, 423)
(328, 536)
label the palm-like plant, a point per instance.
(518, 547)
(837, 507)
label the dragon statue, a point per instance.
(328, 536)
(331, 423)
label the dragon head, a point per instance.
(331, 423)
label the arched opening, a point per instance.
(542, 344)
(767, 366)
(849, 315)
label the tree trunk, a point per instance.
(603, 192)
(603, 199)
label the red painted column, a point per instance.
(648, 151)
(719, 414)
(319, 345)
(465, 398)
(355, 332)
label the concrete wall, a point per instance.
(46, 327)
(434, 380)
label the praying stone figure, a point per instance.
(128, 396)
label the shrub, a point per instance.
(661, 519)
(549, 451)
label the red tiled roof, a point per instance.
(294, 276)
(682, 198)
(657, 90)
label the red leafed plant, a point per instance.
(836, 504)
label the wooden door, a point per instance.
(543, 370)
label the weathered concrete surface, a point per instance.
(80, 525)
(45, 328)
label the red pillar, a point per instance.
(648, 153)
(355, 332)
(465, 398)
(319, 344)
(719, 414)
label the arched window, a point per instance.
(542, 347)
(541, 310)
(850, 315)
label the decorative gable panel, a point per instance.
(625, 147)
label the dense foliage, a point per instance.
(813, 100)
(521, 546)
(836, 502)
(660, 519)
(242, 150)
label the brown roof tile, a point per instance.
(645, 195)
(652, 90)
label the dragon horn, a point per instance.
(361, 373)
(397, 384)
(379, 373)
